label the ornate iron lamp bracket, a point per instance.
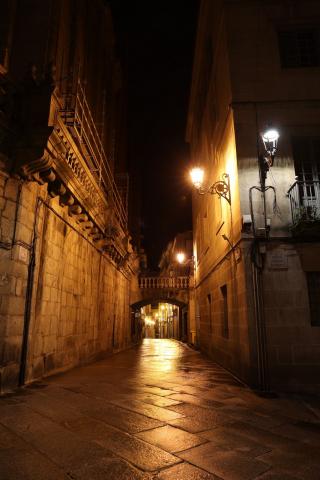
(220, 188)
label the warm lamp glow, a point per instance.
(149, 321)
(181, 257)
(197, 175)
(270, 140)
(270, 135)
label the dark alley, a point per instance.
(159, 240)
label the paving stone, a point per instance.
(302, 431)
(294, 460)
(218, 393)
(226, 438)
(139, 453)
(185, 471)
(111, 414)
(277, 475)
(10, 440)
(197, 391)
(171, 439)
(192, 425)
(259, 419)
(236, 402)
(185, 397)
(128, 421)
(25, 464)
(157, 391)
(152, 411)
(224, 463)
(51, 408)
(109, 469)
(202, 414)
(55, 442)
(264, 437)
(156, 400)
(310, 472)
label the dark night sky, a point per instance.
(156, 42)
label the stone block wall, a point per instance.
(234, 349)
(293, 343)
(73, 298)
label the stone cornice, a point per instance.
(69, 164)
(49, 155)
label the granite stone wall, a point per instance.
(293, 343)
(62, 302)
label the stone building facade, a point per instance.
(67, 269)
(257, 249)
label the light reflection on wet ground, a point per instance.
(160, 356)
(158, 411)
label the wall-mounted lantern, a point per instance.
(220, 188)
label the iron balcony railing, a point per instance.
(179, 283)
(77, 115)
(304, 197)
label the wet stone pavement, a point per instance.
(158, 411)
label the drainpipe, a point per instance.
(261, 336)
(28, 302)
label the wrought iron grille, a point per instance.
(77, 115)
(304, 197)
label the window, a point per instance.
(205, 231)
(306, 154)
(202, 234)
(209, 311)
(299, 48)
(313, 282)
(225, 320)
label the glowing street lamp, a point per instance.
(220, 188)
(197, 175)
(181, 257)
(270, 140)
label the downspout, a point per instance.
(261, 336)
(28, 302)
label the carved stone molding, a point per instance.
(50, 155)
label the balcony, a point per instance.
(78, 118)
(163, 283)
(304, 197)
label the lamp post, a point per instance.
(270, 141)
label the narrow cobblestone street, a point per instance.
(158, 411)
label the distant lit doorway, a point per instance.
(160, 320)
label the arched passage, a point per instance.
(159, 317)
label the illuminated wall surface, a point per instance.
(257, 290)
(66, 274)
